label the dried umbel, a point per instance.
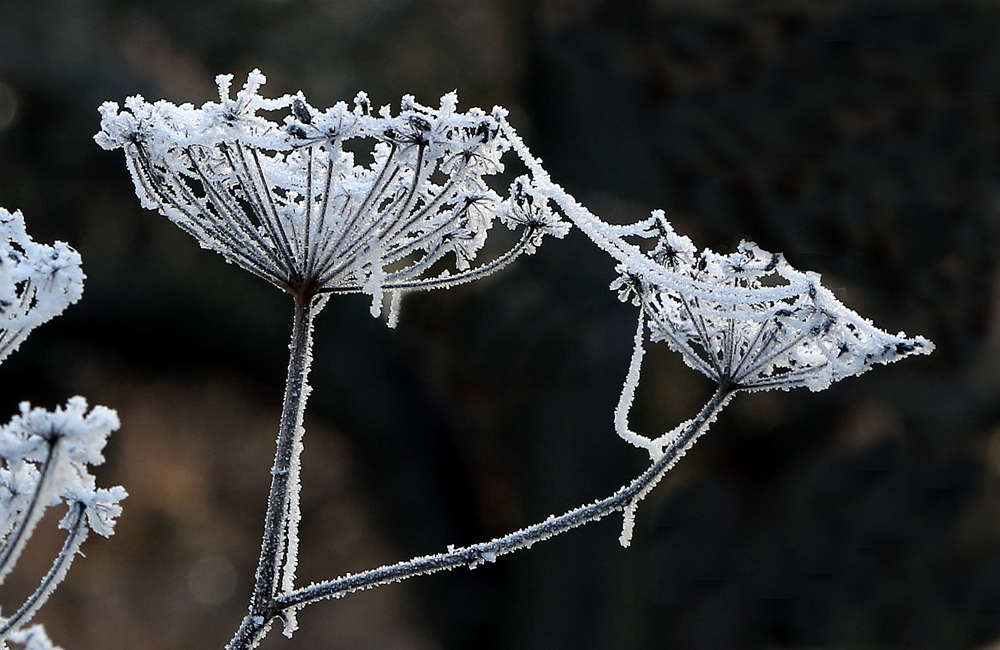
(746, 320)
(750, 321)
(291, 203)
(37, 282)
(45, 456)
(342, 200)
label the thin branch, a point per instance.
(627, 396)
(15, 543)
(453, 280)
(77, 535)
(253, 629)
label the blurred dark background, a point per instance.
(861, 138)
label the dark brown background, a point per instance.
(860, 138)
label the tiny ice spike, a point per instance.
(37, 282)
(290, 203)
(751, 321)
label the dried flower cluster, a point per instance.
(750, 321)
(37, 282)
(291, 203)
(45, 456)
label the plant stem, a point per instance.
(476, 554)
(284, 479)
(77, 535)
(12, 547)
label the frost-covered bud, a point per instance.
(289, 202)
(750, 321)
(37, 282)
(673, 251)
(628, 286)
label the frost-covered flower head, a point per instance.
(37, 282)
(45, 459)
(749, 320)
(45, 455)
(342, 200)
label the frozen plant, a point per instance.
(45, 456)
(289, 203)
(748, 321)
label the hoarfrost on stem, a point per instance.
(33, 638)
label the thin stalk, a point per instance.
(15, 543)
(278, 526)
(472, 556)
(74, 539)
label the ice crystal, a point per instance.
(290, 202)
(751, 321)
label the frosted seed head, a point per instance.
(749, 320)
(37, 282)
(527, 206)
(79, 435)
(102, 508)
(286, 201)
(628, 286)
